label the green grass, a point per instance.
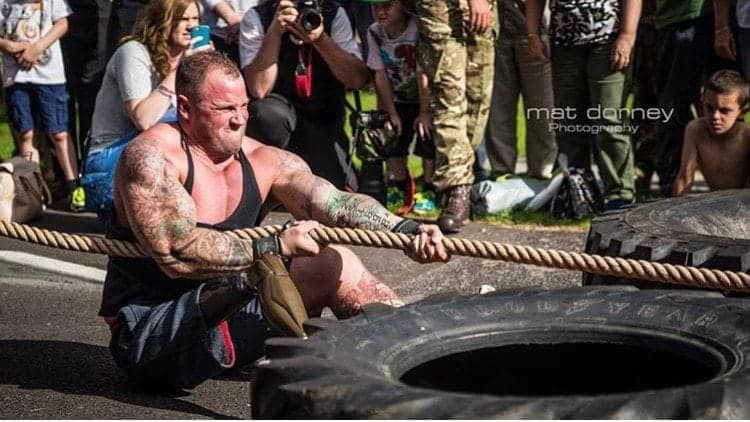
(6, 138)
(6, 142)
(535, 218)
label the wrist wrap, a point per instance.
(264, 245)
(407, 226)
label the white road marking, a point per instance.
(53, 266)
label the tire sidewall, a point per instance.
(376, 348)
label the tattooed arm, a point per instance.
(162, 216)
(309, 197)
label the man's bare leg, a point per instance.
(337, 278)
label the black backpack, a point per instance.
(580, 194)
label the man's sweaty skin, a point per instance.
(180, 248)
(150, 197)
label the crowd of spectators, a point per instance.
(450, 83)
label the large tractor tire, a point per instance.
(710, 230)
(583, 353)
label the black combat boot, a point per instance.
(456, 209)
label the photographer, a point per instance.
(298, 59)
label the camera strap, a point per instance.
(303, 73)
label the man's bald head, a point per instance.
(192, 71)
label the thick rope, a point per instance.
(703, 278)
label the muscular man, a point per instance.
(177, 188)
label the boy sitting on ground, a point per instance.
(718, 142)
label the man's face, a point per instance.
(721, 111)
(385, 13)
(218, 114)
(180, 36)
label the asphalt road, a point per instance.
(54, 361)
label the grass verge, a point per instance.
(541, 218)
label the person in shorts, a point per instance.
(190, 311)
(34, 80)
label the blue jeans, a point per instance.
(685, 57)
(99, 175)
(169, 344)
(99, 171)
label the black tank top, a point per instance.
(249, 207)
(140, 280)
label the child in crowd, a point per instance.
(402, 92)
(34, 79)
(718, 142)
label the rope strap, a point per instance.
(703, 278)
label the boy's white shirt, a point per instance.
(50, 73)
(403, 79)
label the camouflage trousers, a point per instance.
(460, 68)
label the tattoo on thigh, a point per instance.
(368, 289)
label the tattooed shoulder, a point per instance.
(156, 204)
(140, 159)
(290, 161)
(293, 184)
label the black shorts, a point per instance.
(422, 148)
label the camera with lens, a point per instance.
(310, 17)
(374, 119)
(373, 139)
